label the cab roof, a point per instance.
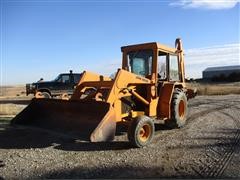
(151, 45)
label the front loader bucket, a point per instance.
(89, 120)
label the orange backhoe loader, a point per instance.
(149, 88)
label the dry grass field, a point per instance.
(12, 91)
(13, 98)
(19, 91)
(216, 88)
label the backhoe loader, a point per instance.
(149, 88)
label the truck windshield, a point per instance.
(140, 62)
(58, 78)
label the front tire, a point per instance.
(141, 131)
(65, 96)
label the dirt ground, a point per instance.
(207, 147)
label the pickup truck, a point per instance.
(63, 84)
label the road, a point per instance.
(207, 147)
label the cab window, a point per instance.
(162, 65)
(65, 79)
(140, 62)
(76, 78)
(173, 67)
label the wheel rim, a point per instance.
(181, 109)
(39, 95)
(46, 95)
(145, 133)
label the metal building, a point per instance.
(213, 72)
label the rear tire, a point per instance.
(141, 131)
(179, 109)
(46, 95)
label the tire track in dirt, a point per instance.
(220, 160)
(219, 168)
(203, 113)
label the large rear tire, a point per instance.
(179, 109)
(141, 131)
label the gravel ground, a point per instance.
(207, 147)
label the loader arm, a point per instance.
(123, 86)
(89, 80)
(118, 88)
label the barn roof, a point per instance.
(223, 68)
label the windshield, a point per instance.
(58, 78)
(140, 62)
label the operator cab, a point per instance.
(153, 61)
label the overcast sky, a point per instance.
(41, 38)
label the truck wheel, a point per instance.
(42, 95)
(141, 131)
(179, 109)
(46, 95)
(89, 91)
(65, 96)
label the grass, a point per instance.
(18, 90)
(5, 120)
(216, 88)
(10, 110)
